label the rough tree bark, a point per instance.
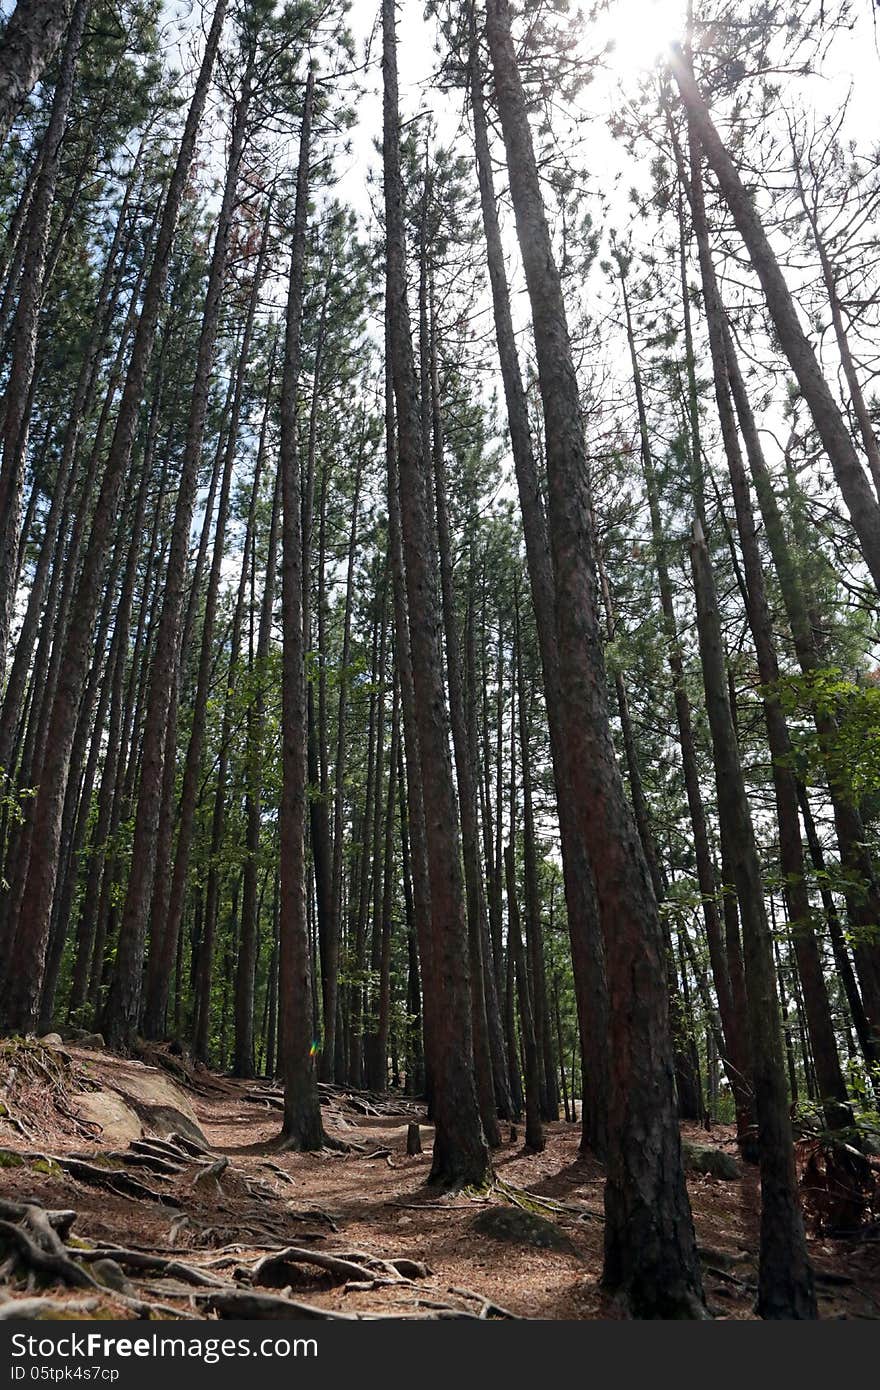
(27, 45)
(17, 398)
(650, 1250)
(243, 1060)
(460, 1153)
(464, 770)
(687, 1084)
(735, 1050)
(583, 916)
(302, 1127)
(818, 1010)
(785, 1282)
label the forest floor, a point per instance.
(165, 1228)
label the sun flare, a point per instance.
(640, 32)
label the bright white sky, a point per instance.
(635, 47)
(635, 35)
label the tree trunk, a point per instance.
(415, 1055)
(380, 959)
(319, 811)
(202, 1036)
(534, 1129)
(549, 1100)
(727, 988)
(28, 43)
(124, 1005)
(421, 892)
(650, 1250)
(243, 1061)
(861, 503)
(24, 981)
(330, 963)
(686, 1081)
(302, 1127)
(863, 901)
(818, 1010)
(501, 1081)
(515, 949)
(460, 1154)
(464, 770)
(785, 1281)
(19, 386)
(110, 685)
(163, 943)
(583, 916)
(57, 518)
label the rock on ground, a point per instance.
(119, 1123)
(715, 1163)
(519, 1227)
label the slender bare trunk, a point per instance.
(460, 1153)
(785, 1282)
(302, 1128)
(583, 917)
(650, 1250)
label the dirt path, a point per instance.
(380, 1207)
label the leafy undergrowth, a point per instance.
(168, 1226)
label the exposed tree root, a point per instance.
(273, 1100)
(530, 1201)
(148, 1263)
(165, 1167)
(35, 1238)
(189, 1146)
(45, 1308)
(208, 1176)
(239, 1304)
(346, 1266)
(60, 1221)
(113, 1179)
(36, 1079)
(34, 1257)
(488, 1308)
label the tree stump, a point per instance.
(413, 1139)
